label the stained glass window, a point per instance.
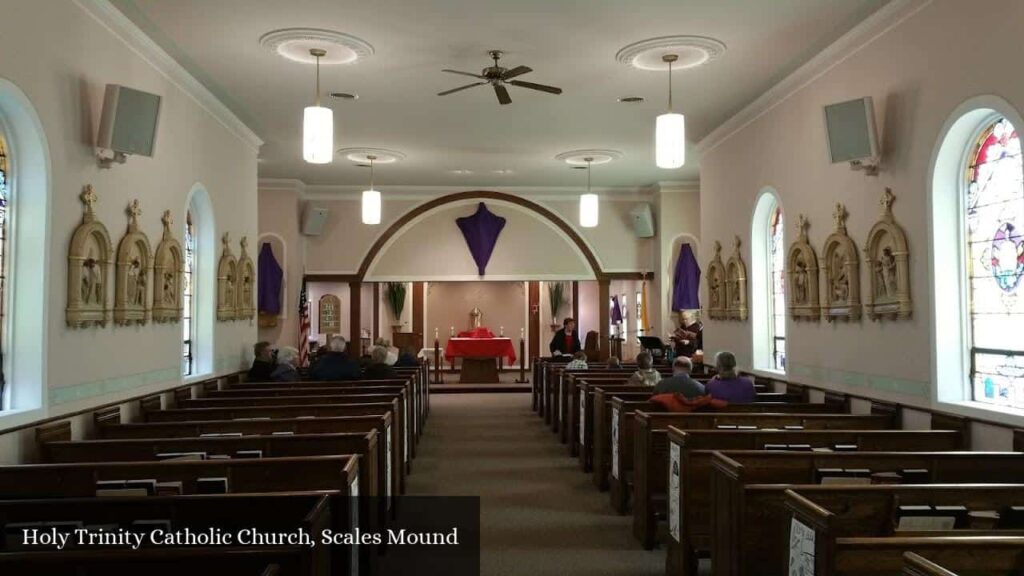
(4, 208)
(188, 312)
(995, 265)
(777, 304)
(639, 314)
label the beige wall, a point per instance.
(449, 304)
(62, 57)
(917, 73)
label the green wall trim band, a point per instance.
(171, 376)
(859, 380)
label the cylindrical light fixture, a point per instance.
(670, 130)
(371, 200)
(589, 210)
(317, 125)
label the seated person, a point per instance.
(728, 385)
(378, 369)
(680, 381)
(689, 337)
(645, 375)
(407, 358)
(578, 362)
(286, 370)
(335, 364)
(566, 340)
(263, 364)
(614, 362)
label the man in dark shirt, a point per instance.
(566, 340)
(680, 381)
(263, 364)
(690, 336)
(378, 368)
(335, 364)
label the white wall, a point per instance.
(917, 73)
(61, 57)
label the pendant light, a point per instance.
(317, 124)
(670, 131)
(371, 199)
(588, 203)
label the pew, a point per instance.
(389, 467)
(692, 451)
(228, 513)
(623, 442)
(1003, 560)
(585, 430)
(748, 519)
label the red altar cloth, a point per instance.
(476, 333)
(480, 348)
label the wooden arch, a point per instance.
(543, 212)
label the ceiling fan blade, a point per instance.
(532, 86)
(461, 88)
(464, 73)
(517, 71)
(502, 94)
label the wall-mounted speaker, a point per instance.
(129, 121)
(313, 220)
(643, 220)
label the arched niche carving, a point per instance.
(842, 272)
(245, 307)
(329, 314)
(90, 256)
(716, 285)
(888, 260)
(168, 271)
(802, 276)
(227, 281)
(736, 284)
(131, 282)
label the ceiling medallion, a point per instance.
(295, 44)
(380, 155)
(596, 157)
(692, 51)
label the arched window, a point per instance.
(993, 212)
(4, 199)
(188, 302)
(768, 284)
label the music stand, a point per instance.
(654, 345)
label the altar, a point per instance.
(480, 352)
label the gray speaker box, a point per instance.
(643, 220)
(313, 220)
(129, 121)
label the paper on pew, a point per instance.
(925, 523)
(583, 413)
(801, 549)
(673, 491)
(615, 443)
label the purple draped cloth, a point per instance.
(616, 310)
(269, 276)
(481, 231)
(686, 284)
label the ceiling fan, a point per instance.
(497, 76)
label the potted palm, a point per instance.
(556, 298)
(394, 294)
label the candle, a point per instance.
(501, 331)
(522, 333)
(435, 333)
(451, 331)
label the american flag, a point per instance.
(303, 327)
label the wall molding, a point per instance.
(860, 36)
(104, 12)
(874, 382)
(422, 193)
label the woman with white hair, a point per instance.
(286, 370)
(379, 369)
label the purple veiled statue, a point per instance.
(686, 284)
(268, 293)
(481, 231)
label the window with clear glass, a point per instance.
(994, 215)
(777, 302)
(4, 211)
(188, 302)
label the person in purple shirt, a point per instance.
(728, 385)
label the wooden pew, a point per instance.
(567, 399)
(586, 430)
(1004, 558)
(227, 513)
(748, 519)
(843, 529)
(389, 467)
(623, 446)
(693, 449)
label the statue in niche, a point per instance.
(802, 269)
(226, 278)
(90, 256)
(132, 271)
(800, 284)
(736, 284)
(887, 256)
(842, 277)
(717, 293)
(168, 275)
(245, 277)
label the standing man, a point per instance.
(566, 340)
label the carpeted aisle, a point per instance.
(540, 514)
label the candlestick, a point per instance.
(522, 333)
(501, 331)
(435, 333)
(451, 331)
